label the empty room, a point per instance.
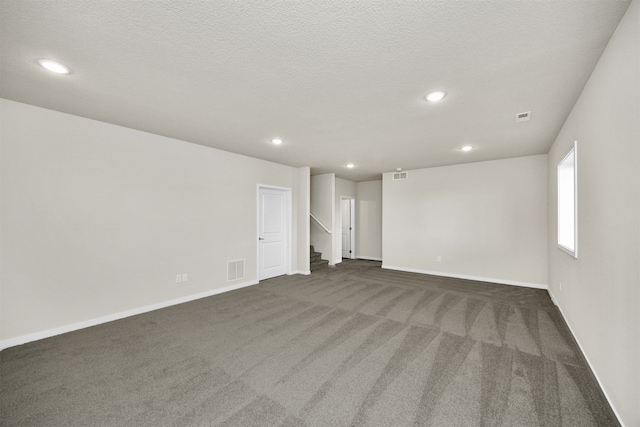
(320, 213)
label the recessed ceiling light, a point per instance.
(54, 67)
(399, 169)
(466, 148)
(277, 141)
(435, 96)
(350, 165)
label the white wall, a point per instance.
(369, 220)
(323, 207)
(304, 207)
(344, 188)
(487, 221)
(98, 219)
(600, 294)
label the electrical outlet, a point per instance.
(184, 277)
(178, 278)
(439, 258)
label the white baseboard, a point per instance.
(11, 342)
(464, 276)
(595, 374)
(370, 258)
(306, 273)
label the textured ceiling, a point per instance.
(339, 81)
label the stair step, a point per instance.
(316, 260)
(317, 265)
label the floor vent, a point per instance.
(235, 270)
(399, 175)
(523, 117)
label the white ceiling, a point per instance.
(339, 81)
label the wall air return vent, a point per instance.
(523, 117)
(235, 270)
(399, 175)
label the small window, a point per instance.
(568, 203)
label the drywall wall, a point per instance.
(323, 207)
(484, 220)
(344, 188)
(599, 293)
(99, 219)
(303, 204)
(369, 220)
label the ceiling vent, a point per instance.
(523, 117)
(399, 175)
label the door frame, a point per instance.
(352, 235)
(288, 226)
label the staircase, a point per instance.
(316, 260)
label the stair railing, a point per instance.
(324, 227)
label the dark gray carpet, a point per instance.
(349, 346)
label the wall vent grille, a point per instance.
(235, 270)
(399, 175)
(523, 117)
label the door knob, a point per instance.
(260, 238)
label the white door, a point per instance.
(345, 208)
(272, 233)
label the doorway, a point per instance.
(347, 215)
(274, 231)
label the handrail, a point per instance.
(324, 227)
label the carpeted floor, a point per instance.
(348, 346)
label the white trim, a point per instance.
(464, 276)
(370, 258)
(11, 342)
(584, 353)
(563, 248)
(306, 273)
